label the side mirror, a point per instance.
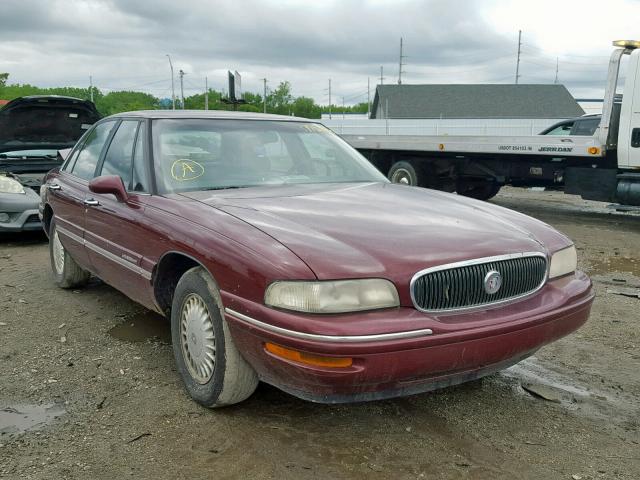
(109, 184)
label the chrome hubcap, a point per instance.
(58, 253)
(197, 339)
(401, 176)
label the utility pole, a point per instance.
(181, 73)
(368, 98)
(329, 99)
(343, 107)
(556, 79)
(400, 64)
(264, 95)
(206, 93)
(91, 87)
(381, 74)
(173, 89)
(518, 61)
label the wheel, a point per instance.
(66, 272)
(212, 369)
(478, 189)
(404, 173)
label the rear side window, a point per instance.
(118, 159)
(85, 165)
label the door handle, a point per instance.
(635, 138)
(54, 186)
(90, 202)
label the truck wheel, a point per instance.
(212, 369)
(66, 272)
(478, 189)
(404, 173)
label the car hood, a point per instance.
(381, 229)
(44, 122)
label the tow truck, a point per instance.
(604, 167)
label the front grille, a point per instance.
(33, 219)
(462, 285)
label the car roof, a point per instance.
(214, 114)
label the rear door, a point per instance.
(67, 192)
(114, 232)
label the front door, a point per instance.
(114, 233)
(67, 192)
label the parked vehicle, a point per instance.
(280, 254)
(32, 130)
(597, 158)
(587, 125)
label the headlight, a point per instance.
(9, 185)
(563, 262)
(337, 296)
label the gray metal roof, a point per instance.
(219, 114)
(475, 101)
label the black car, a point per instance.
(32, 130)
(584, 126)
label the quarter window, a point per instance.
(87, 160)
(117, 161)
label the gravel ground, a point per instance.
(88, 389)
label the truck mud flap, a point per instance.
(591, 183)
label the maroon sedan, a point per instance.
(280, 254)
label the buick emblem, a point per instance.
(492, 282)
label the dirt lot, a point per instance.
(88, 389)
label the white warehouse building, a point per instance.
(461, 109)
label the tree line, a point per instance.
(279, 100)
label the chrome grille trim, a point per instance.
(464, 277)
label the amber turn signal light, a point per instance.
(306, 358)
(594, 150)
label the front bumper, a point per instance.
(22, 210)
(459, 347)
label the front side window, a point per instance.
(564, 129)
(87, 160)
(118, 159)
(139, 179)
(212, 154)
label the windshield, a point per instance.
(212, 154)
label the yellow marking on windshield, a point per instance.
(184, 170)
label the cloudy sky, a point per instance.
(123, 43)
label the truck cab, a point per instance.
(617, 177)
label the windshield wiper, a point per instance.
(26, 157)
(226, 188)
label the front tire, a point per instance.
(66, 272)
(212, 369)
